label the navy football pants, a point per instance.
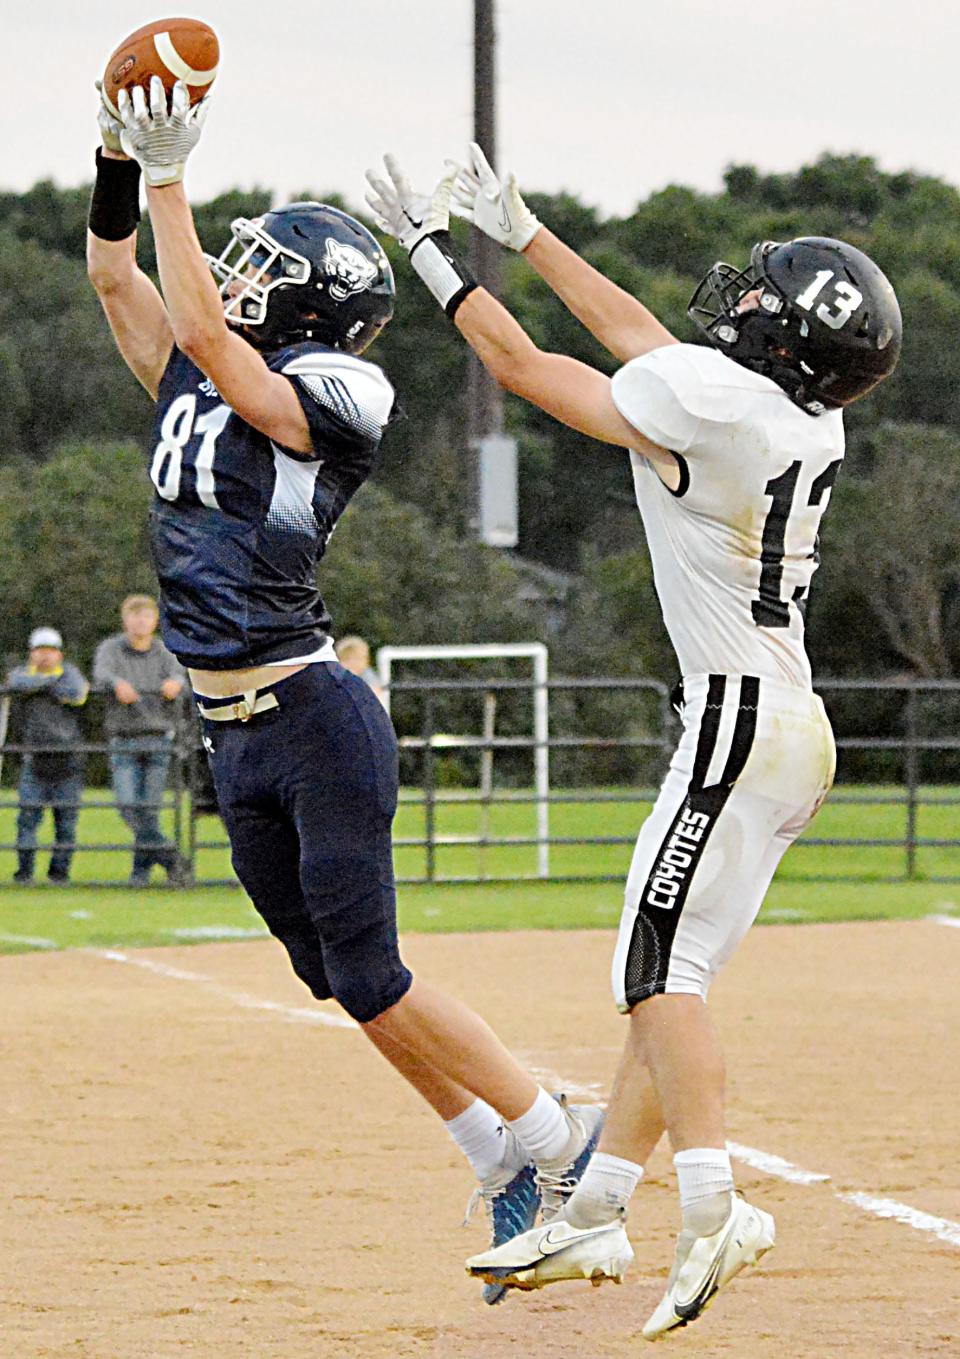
(308, 793)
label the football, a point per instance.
(173, 49)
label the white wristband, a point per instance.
(442, 272)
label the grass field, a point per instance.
(44, 917)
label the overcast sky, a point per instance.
(609, 99)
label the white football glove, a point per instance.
(405, 214)
(110, 129)
(158, 137)
(497, 209)
(420, 225)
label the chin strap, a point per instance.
(790, 382)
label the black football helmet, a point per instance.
(306, 271)
(824, 322)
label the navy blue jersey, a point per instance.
(239, 523)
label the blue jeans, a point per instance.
(36, 793)
(138, 767)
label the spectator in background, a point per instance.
(353, 653)
(50, 689)
(145, 681)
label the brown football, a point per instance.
(173, 49)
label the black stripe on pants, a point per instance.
(668, 883)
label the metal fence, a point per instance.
(898, 766)
(633, 730)
(918, 752)
(472, 811)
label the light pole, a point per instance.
(491, 457)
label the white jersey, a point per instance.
(734, 548)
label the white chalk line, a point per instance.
(766, 1162)
(953, 921)
(774, 1165)
(889, 1208)
(941, 1227)
(295, 1014)
(29, 940)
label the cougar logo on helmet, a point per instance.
(350, 271)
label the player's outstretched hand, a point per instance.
(497, 209)
(160, 137)
(110, 129)
(404, 213)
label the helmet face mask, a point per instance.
(823, 321)
(251, 265)
(719, 296)
(304, 272)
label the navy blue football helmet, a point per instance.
(815, 315)
(306, 271)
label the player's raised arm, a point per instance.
(132, 304)
(565, 388)
(621, 323)
(161, 132)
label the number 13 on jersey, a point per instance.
(769, 609)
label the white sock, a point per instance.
(604, 1191)
(543, 1130)
(478, 1132)
(706, 1188)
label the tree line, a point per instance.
(74, 427)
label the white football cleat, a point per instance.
(554, 1252)
(704, 1264)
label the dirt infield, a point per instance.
(192, 1166)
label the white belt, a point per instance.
(251, 702)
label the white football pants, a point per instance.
(755, 762)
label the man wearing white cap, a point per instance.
(49, 689)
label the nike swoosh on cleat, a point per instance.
(546, 1246)
(689, 1311)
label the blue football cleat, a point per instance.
(512, 1200)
